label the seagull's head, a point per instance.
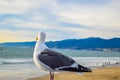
(41, 36)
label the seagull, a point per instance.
(53, 61)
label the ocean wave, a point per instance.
(15, 61)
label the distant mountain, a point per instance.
(87, 43)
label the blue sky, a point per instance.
(20, 20)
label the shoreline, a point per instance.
(105, 73)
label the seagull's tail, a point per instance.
(80, 69)
(84, 69)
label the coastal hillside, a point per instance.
(91, 43)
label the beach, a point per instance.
(20, 71)
(109, 73)
(17, 64)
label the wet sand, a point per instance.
(20, 74)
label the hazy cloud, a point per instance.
(60, 19)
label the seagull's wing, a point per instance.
(54, 59)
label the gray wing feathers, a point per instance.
(54, 59)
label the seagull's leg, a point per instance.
(51, 75)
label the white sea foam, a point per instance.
(15, 61)
(96, 61)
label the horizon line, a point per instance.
(60, 40)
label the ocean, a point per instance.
(19, 60)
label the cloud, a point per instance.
(35, 23)
(20, 35)
(21, 6)
(60, 19)
(84, 33)
(98, 17)
(33, 14)
(13, 6)
(27, 35)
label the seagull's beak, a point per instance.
(37, 38)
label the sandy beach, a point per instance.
(111, 73)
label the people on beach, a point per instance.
(107, 64)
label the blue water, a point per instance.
(23, 56)
(17, 63)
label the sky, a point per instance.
(20, 20)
